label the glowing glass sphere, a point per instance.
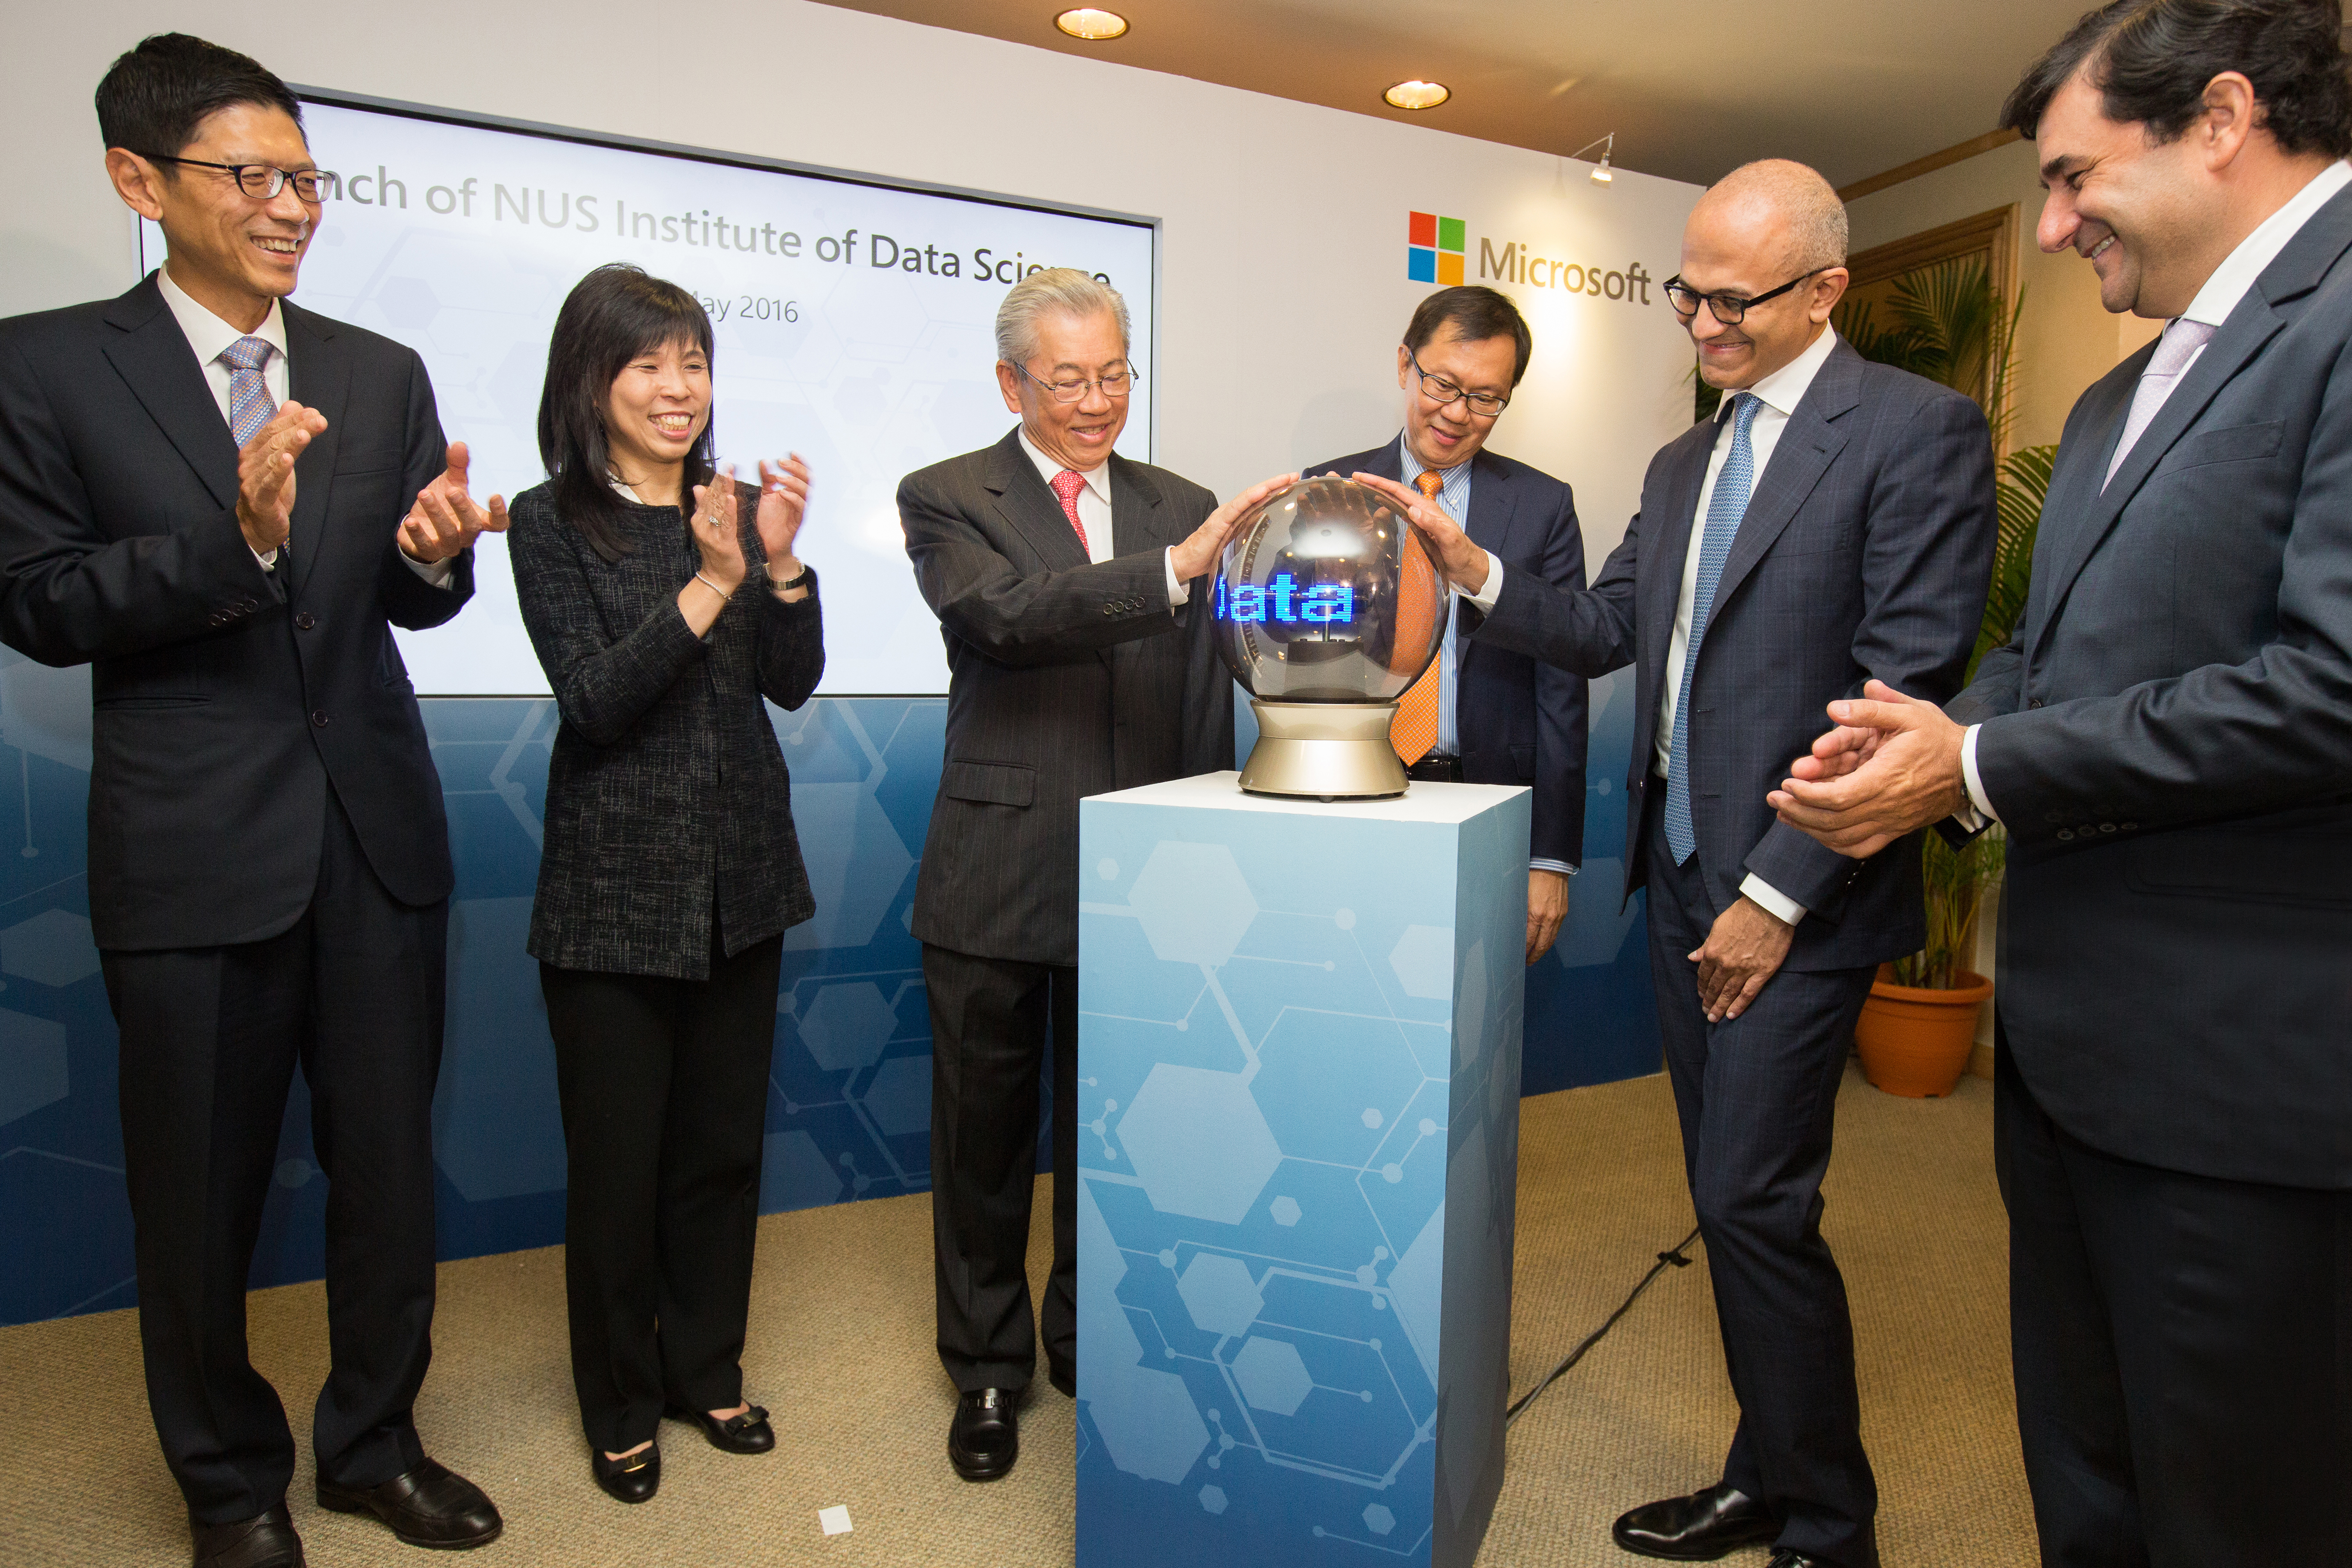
(1324, 595)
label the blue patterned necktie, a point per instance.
(1725, 507)
(250, 407)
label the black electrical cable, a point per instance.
(1678, 1257)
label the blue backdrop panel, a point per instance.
(850, 1099)
(1299, 1059)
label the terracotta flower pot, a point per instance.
(1915, 1041)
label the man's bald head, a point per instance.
(1779, 204)
(1765, 244)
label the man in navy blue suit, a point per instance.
(1483, 713)
(1833, 522)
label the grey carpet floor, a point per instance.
(841, 1338)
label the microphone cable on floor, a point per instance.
(1678, 1257)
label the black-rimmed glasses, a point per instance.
(262, 181)
(1113, 384)
(1442, 392)
(1728, 309)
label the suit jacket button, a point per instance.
(2066, 834)
(2106, 827)
(249, 606)
(215, 620)
(2131, 827)
(306, 620)
(318, 716)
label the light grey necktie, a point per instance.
(2182, 337)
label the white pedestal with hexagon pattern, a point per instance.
(1298, 1060)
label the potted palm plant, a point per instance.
(1947, 323)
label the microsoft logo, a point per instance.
(1433, 247)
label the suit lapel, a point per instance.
(318, 375)
(1661, 582)
(1029, 506)
(152, 356)
(1809, 442)
(1494, 506)
(1137, 521)
(2073, 495)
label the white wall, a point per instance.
(1283, 283)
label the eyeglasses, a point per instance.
(1113, 384)
(1442, 392)
(1728, 309)
(260, 181)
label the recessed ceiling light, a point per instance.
(1092, 25)
(1418, 94)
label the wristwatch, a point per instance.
(786, 586)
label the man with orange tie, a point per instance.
(1064, 576)
(1481, 713)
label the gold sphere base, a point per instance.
(1324, 750)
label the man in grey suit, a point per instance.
(1833, 524)
(1063, 575)
(2166, 743)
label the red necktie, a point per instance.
(1067, 484)
(1413, 730)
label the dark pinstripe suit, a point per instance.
(1066, 678)
(1865, 551)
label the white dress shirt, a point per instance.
(2219, 296)
(1094, 515)
(1453, 498)
(209, 336)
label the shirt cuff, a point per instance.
(439, 573)
(267, 562)
(1179, 590)
(1771, 900)
(1562, 867)
(1978, 814)
(1492, 587)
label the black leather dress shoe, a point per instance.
(632, 1478)
(265, 1541)
(747, 1433)
(430, 1505)
(1699, 1528)
(985, 1438)
(1798, 1560)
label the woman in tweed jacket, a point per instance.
(670, 868)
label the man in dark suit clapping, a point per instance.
(1065, 578)
(268, 866)
(1482, 713)
(1831, 524)
(2166, 742)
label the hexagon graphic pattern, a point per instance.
(899, 1098)
(847, 1026)
(53, 948)
(1424, 961)
(32, 1065)
(1379, 1519)
(1150, 1428)
(794, 1174)
(1194, 901)
(1272, 1376)
(1179, 1112)
(1219, 1294)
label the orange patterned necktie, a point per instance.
(1413, 730)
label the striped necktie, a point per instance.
(1725, 507)
(250, 407)
(1413, 730)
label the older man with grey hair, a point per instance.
(1065, 579)
(1833, 522)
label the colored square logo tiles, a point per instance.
(1433, 248)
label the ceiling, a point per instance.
(1692, 87)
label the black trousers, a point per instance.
(210, 1036)
(2182, 1347)
(1757, 1097)
(664, 1087)
(990, 1026)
